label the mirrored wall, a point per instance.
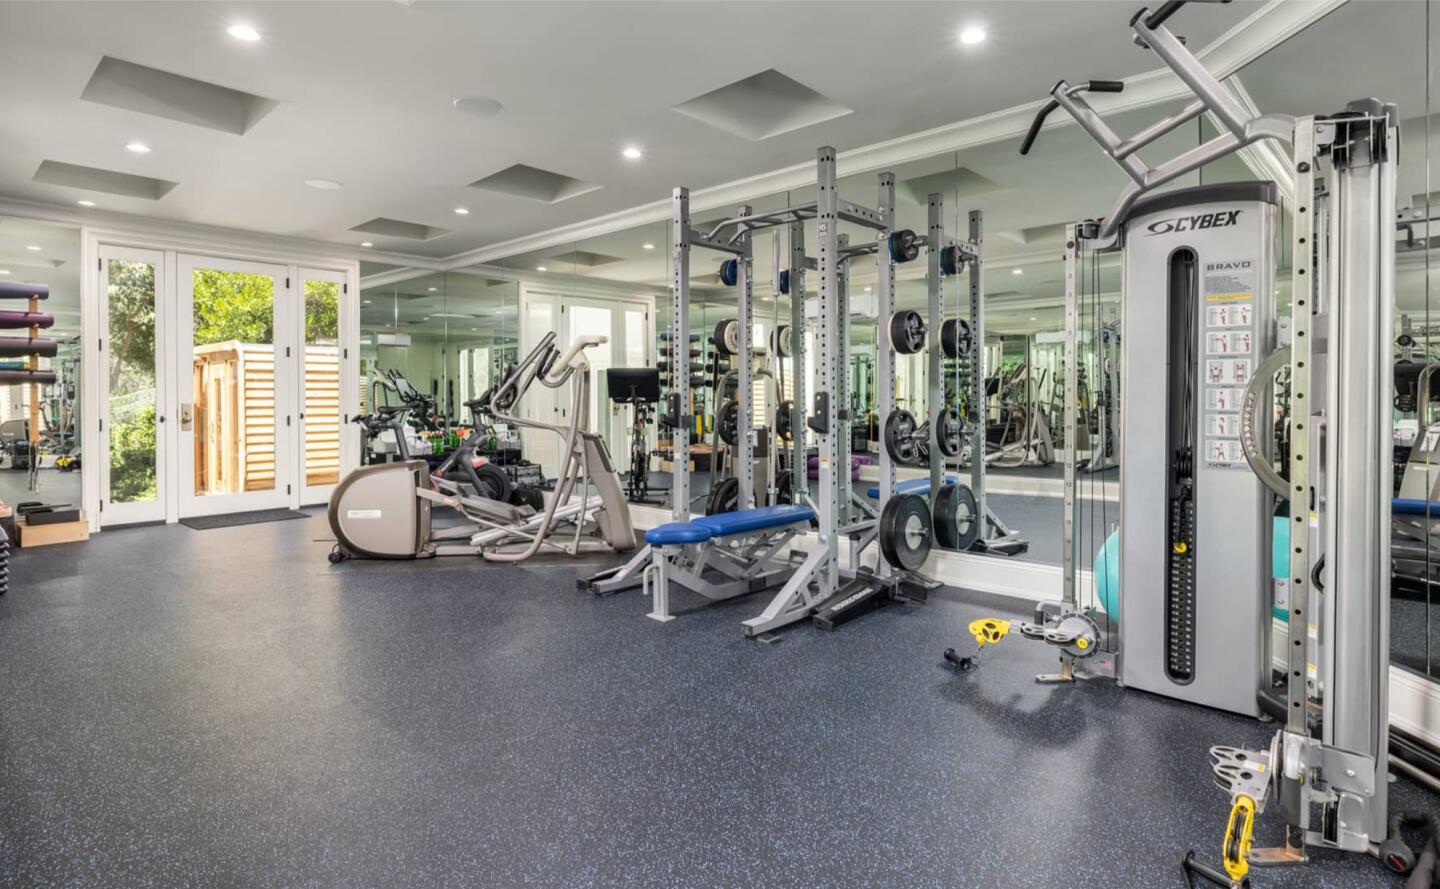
(449, 334)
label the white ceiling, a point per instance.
(365, 92)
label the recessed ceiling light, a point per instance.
(432, 289)
(366, 302)
(324, 184)
(648, 246)
(366, 244)
(86, 203)
(4, 271)
(1017, 271)
(461, 211)
(138, 147)
(867, 289)
(426, 318)
(480, 106)
(497, 311)
(632, 153)
(34, 247)
(539, 268)
(243, 32)
(972, 35)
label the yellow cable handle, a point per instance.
(1239, 832)
(989, 630)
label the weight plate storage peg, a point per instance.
(730, 423)
(949, 432)
(727, 336)
(956, 525)
(900, 436)
(730, 272)
(907, 332)
(905, 531)
(955, 338)
(904, 246)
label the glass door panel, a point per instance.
(233, 389)
(132, 391)
(321, 408)
(592, 319)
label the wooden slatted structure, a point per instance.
(235, 417)
(322, 415)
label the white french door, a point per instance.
(234, 386)
(132, 395)
(319, 371)
(629, 342)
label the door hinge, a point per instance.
(345, 353)
(344, 288)
(102, 424)
(287, 282)
(100, 343)
(287, 351)
(287, 419)
(99, 265)
(102, 505)
(287, 489)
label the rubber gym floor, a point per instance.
(224, 708)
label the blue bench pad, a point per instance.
(1403, 506)
(746, 520)
(674, 533)
(914, 486)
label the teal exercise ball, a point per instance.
(1107, 575)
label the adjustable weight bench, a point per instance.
(721, 556)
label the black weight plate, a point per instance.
(725, 497)
(784, 420)
(907, 332)
(904, 246)
(955, 338)
(784, 280)
(949, 433)
(905, 531)
(730, 423)
(899, 436)
(729, 272)
(785, 487)
(727, 337)
(956, 525)
(526, 495)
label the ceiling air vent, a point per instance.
(761, 106)
(122, 84)
(534, 184)
(108, 181)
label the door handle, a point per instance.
(187, 416)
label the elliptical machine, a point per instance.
(384, 511)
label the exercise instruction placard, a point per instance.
(1229, 340)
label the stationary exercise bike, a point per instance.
(384, 511)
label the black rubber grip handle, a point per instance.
(1167, 9)
(1094, 86)
(1036, 124)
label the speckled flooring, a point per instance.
(224, 708)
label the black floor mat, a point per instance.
(230, 520)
